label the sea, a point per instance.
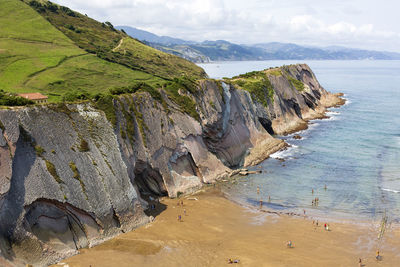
(350, 161)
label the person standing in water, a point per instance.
(258, 190)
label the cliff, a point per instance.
(70, 178)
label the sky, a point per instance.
(363, 24)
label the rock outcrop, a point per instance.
(71, 179)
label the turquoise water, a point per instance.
(355, 153)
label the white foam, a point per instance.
(333, 118)
(348, 102)
(331, 112)
(390, 190)
(286, 153)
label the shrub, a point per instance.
(68, 11)
(52, 7)
(296, 83)
(74, 95)
(106, 104)
(141, 87)
(84, 146)
(77, 176)
(39, 150)
(257, 84)
(186, 104)
(7, 99)
(52, 170)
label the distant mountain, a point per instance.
(223, 51)
(292, 51)
(151, 37)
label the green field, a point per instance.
(36, 56)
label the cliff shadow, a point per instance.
(150, 185)
(13, 206)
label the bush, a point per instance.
(52, 170)
(186, 104)
(141, 86)
(79, 94)
(257, 84)
(52, 7)
(7, 99)
(297, 84)
(84, 146)
(39, 150)
(68, 11)
(106, 104)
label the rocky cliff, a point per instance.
(70, 179)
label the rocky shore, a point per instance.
(71, 177)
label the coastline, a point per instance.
(216, 229)
(264, 147)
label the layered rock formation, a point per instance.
(70, 179)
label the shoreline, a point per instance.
(216, 229)
(271, 146)
(265, 147)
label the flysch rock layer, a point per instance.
(70, 179)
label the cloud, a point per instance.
(253, 21)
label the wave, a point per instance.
(286, 153)
(348, 101)
(391, 190)
(332, 118)
(331, 112)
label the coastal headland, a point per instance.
(124, 124)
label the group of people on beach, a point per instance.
(315, 202)
(180, 203)
(261, 201)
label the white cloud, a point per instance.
(357, 23)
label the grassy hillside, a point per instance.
(37, 57)
(113, 45)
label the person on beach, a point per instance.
(312, 202)
(378, 257)
(325, 187)
(182, 203)
(269, 198)
(261, 203)
(258, 190)
(184, 212)
(289, 244)
(325, 226)
(312, 191)
(359, 262)
(179, 218)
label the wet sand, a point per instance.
(216, 229)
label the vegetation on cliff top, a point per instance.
(257, 84)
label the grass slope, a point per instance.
(36, 57)
(115, 46)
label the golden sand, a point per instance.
(216, 229)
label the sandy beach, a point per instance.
(215, 229)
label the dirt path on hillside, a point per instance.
(119, 45)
